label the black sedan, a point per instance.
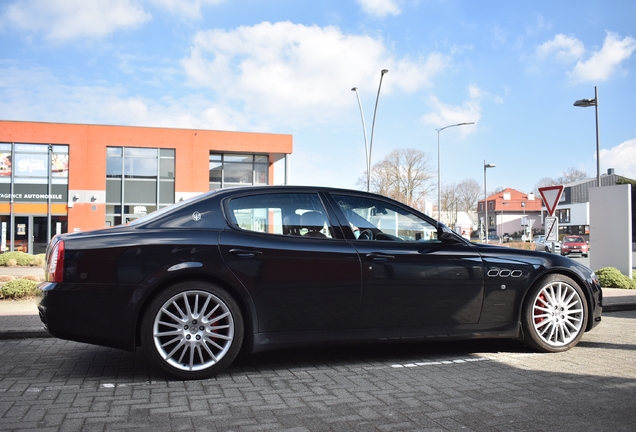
(261, 267)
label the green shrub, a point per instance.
(19, 288)
(39, 260)
(20, 258)
(611, 277)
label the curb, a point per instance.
(24, 334)
(619, 307)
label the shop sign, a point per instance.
(33, 193)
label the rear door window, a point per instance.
(293, 214)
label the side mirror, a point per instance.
(445, 234)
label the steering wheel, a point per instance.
(366, 234)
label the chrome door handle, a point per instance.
(242, 253)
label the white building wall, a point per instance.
(611, 231)
(579, 214)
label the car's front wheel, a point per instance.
(192, 330)
(555, 314)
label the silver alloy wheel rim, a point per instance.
(557, 314)
(193, 330)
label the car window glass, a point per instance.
(294, 214)
(195, 212)
(384, 221)
(573, 240)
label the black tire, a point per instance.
(555, 314)
(192, 330)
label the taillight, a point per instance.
(56, 262)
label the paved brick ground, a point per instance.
(48, 384)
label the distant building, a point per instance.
(510, 212)
(573, 209)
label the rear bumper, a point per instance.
(100, 319)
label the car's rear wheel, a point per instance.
(555, 314)
(192, 330)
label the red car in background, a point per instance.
(574, 245)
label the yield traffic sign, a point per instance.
(551, 196)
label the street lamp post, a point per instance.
(369, 148)
(594, 103)
(486, 166)
(364, 131)
(523, 220)
(439, 201)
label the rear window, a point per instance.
(192, 213)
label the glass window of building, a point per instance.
(229, 170)
(138, 181)
(34, 190)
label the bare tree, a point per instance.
(568, 176)
(450, 204)
(571, 175)
(469, 192)
(404, 175)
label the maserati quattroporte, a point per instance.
(262, 267)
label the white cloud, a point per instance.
(300, 73)
(540, 24)
(37, 95)
(445, 114)
(603, 63)
(73, 19)
(252, 78)
(562, 47)
(380, 8)
(186, 8)
(499, 36)
(621, 158)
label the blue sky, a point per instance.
(288, 66)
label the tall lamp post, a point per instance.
(369, 148)
(439, 188)
(486, 166)
(523, 221)
(594, 103)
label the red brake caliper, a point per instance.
(538, 311)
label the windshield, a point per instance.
(573, 240)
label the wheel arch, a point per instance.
(576, 277)
(244, 302)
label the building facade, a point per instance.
(510, 212)
(57, 177)
(573, 208)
